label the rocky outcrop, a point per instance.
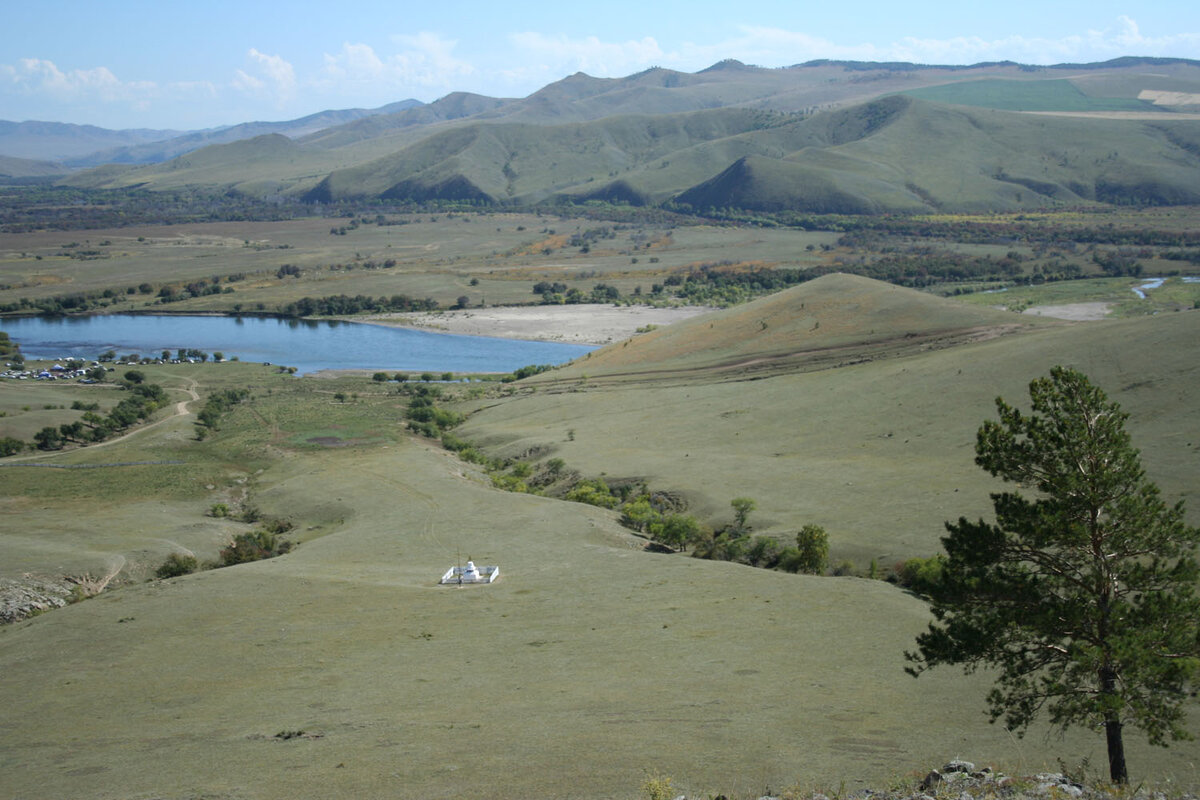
(31, 595)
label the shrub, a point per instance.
(813, 543)
(252, 546)
(594, 492)
(177, 564)
(921, 575)
(675, 531)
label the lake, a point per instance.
(305, 344)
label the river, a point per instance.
(308, 345)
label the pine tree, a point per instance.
(1083, 596)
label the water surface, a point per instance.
(307, 345)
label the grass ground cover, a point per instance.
(1174, 294)
(1016, 95)
(592, 664)
(878, 453)
(730, 679)
(496, 259)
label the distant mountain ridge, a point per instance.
(88, 146)
(821, 137)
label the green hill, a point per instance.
(29, 168)
(827, 321)
(822, 137)
(342, 669)
(864, 424)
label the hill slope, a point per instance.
(872, 438)
(811, 148)
(829, 320)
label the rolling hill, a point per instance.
(342, 669)
(824, 137)
(827, 321)
(24, 168)
(863, 423)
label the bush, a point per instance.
(177, 564)
(813, 543)
(921, 575)
(252, 546)
(594, 492)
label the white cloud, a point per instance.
(561, 55)
(39, 76)
(275, 79)
(778, 47)
(424, 61)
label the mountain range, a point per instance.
(820, 137)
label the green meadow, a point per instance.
(593, 664)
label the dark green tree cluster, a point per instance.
(1081, 595)
(424, 415)
(143, 400)
(217, 404)
(342, 305)
(253, 546)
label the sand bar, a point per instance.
(571, 324)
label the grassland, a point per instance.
(341, 669)
(496, 259)
(1043, 95)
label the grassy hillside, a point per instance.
(873, 440)
(341, 669)
(897, 155)
(828, 137)
(893, 155)
(1028, 95)
(28, 168)
(832, 319)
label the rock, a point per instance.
(1057, 783)
(29, 596)
(959, 766)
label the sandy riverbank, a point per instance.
(572, 324)
(1076, 312)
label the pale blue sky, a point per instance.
(167, 64)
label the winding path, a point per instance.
(181, 409)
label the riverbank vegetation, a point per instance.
(404, 257)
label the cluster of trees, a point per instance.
(8, 348)
(217, 404)
(558, 294)
(423, 414)
(143, 400)
(526, 371)
(65, 208)
(342, 305)
(82, 302)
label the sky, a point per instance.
(171, 64)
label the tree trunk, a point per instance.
(1112, 728)
(1116, 752)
